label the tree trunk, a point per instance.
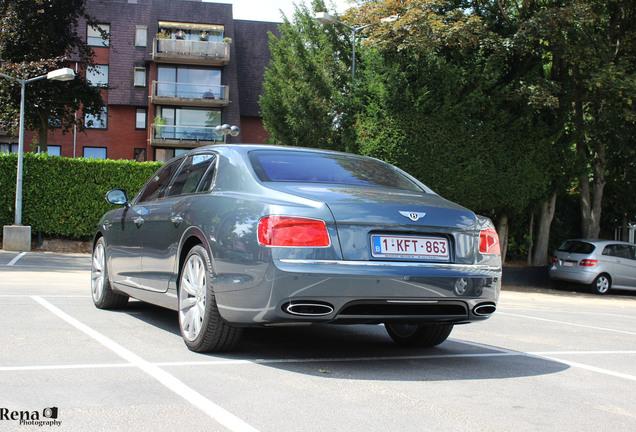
(502, 230)
(594, 157)
(546, 214)
(43, 134)
(531, 236)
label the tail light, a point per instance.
(588, 263)
(292, 232)
(489, 241)
(555, 259)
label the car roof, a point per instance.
(245, 148)
(601, 242)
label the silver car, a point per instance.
(237, 236)
(601, 264)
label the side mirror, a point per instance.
(117, 197)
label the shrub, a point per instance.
(65, 197)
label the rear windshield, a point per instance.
(310, 167)
(577, 246)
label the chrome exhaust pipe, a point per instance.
(484, 309)
(310, 309)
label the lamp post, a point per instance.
(227, 129)
(326, 18)
(17, 236)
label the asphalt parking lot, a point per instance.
(546, 361)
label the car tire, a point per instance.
(423, 335)
(202, 327)
(601, 284)
(101, 292)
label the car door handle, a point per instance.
(176, 220)
(139, 221)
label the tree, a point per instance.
(447, 101)
(307, 82)
(39, 36)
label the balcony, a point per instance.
(183, 136)
(191, 52)
(170, 93)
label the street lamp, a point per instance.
(327, 19)
(16, 236)
(225, 130)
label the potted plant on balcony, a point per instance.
(180, 34)
(160, 122)
(204, 35)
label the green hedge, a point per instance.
(65, 197)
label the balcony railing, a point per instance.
(183, 136)
(170, 93)
(191, 51)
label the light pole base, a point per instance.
(16, 238)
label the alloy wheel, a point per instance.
(192, 297)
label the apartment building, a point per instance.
(171, 71)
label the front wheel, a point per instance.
(601, 284)
(202, 327)
(102, 293)
(422, 335)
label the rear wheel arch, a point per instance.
(190, 239)
(602, 284)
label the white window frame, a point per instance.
(138, 113)
(141, 36)
(139, 72)
(94, 37)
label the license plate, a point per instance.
(568, 264)
(422, 248)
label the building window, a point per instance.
(140, 77)
(140, 154)
(189, 82)
(8, 148)
(99, 121)
(94, 36)
(141, 36)
(188, 123)
(140, 118)
(165, 154)
(95, 152)
(97, 75)
(54, 150)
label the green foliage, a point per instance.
(306, 82)
(39, 36)
(65, 197)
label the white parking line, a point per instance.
(557, 360)
(217, 413)
(16, 259)
(567, 323)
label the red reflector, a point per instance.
(588, 263)
(292, 232)
(489, 242)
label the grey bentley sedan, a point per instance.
(232, 236)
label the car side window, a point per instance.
(620, 251)
(159, 181)
(631, 252)
(190, 174)
(208, 178)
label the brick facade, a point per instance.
(249, 55)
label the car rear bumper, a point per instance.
(308, 291)
(576, 274)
